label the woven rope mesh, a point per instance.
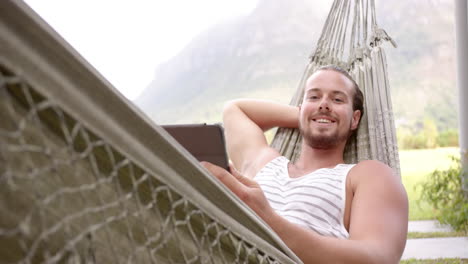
(352, 40)
(67, 196)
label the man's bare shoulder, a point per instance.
(372, 170)
(372, 166)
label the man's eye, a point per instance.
(313, 97)
(339, 100)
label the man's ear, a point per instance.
(355, 120)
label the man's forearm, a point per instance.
(311, 247)
(268, 114)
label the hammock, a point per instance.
(352, 40)
(86, 177)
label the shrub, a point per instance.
(410, 141)
(430, 133)
(448, 138)
(443, 190)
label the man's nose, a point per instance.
(324, 105)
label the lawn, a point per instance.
(416, 165)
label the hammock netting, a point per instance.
(68, 195)
(87, 178)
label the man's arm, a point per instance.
(378, 225)
(378, 222)
(244, 123)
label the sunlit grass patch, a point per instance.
(416, 165)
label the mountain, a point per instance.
(263, 55)
(422, 68)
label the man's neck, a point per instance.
(312, 159)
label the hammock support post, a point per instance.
(461, 33)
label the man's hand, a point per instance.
(243, 187)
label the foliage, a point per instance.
(448, 138)
(443, 190)
(416, 166)
(426, 136)
(430, 133)
(409, 140)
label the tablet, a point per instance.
(204, 142)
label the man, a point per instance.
(324, 210)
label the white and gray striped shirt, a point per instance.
(315, 200)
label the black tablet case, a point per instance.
(205, 142)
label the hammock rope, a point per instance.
(352, 39)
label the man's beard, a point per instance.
(324, 141)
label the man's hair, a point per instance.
(358, 97)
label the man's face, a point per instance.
(327, 117)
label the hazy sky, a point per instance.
(126, 40)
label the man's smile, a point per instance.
(323, 120)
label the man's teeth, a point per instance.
(323, 120)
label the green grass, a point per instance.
(413, 235)
(435, 261)
(416, 165)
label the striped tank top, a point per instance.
(315, 200)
